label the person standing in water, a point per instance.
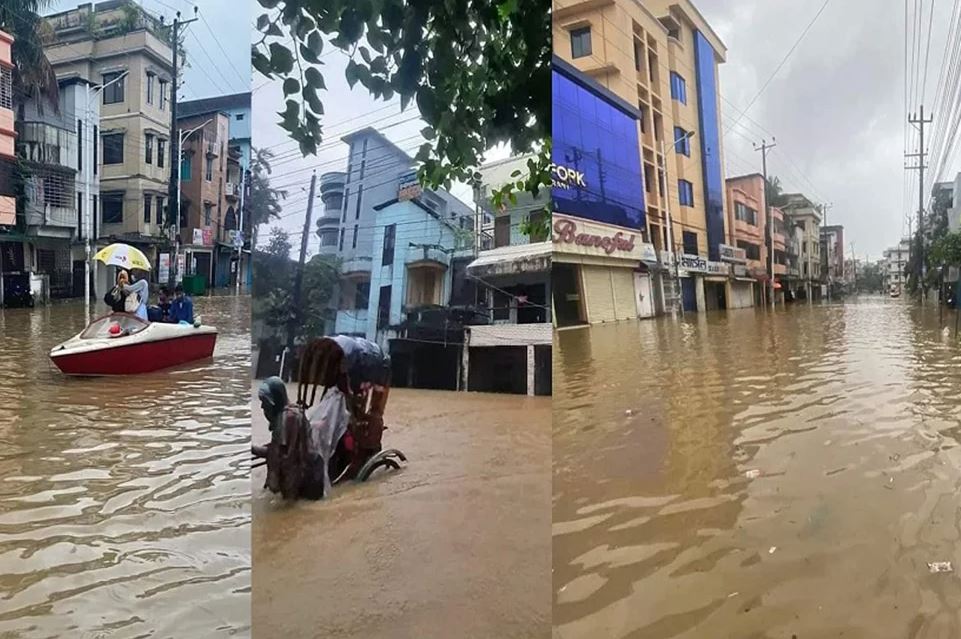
(140, 288)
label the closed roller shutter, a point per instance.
(600, 296)
(622, 280)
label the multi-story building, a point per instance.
(511, 353)
(747, 225)
(805, 215)
(651, 69)
(203, 197)
(119, 46)
(8, 202)
(236, 108)
(832, 255)
(895, 261)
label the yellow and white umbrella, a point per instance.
(123, 256)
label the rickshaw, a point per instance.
(344, 427)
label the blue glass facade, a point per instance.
(596, 154)
(710, 140)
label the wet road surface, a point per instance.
(749, 475)
(124, 502)
(457, 544)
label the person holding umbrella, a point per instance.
(139, 292)
(130, 259)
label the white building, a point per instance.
(895, 260)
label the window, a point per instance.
(682, 142)
(163, 95)
(96, 147)
(208, 209)
(678, 88)
(79, 215)
(185, 168)
(148, 139)
(6, 88)
(150, 91)
(502, 231)
(346, 198)
(161, 211)
(334, 202)
(160, 152)
(581, 42)
(362, 295)
(93, 212)
(360, 194)
(340, 247)
(113, 148)
(539, 229)
(79, 145)
(146, 209)
(209, 171)
(184, 213)
(689, 242)
(745, 213)
(685, 193)
(113, 94)
(356, 231)
(239, 116)
(751, 251)
(638, 52)
(383, 307)
(390, 233)
(111, 206)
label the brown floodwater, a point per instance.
(457, 544)
(744, 474)
(124, 502)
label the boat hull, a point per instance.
(137, 357)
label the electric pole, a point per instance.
(296, 311)
(173, 195)
(827, 249)
(920, 121)
(769, 233)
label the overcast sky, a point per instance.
(836, 107)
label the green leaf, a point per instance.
(309, 55)
(304, 26)
(291, 85)
(428, 133)
(375, 38)
(315, 43)
(274, 30)
(261, 63)
(310, 96)
(262, 21)
(314, 78)
(423, 152)
(351, 25)
(506, 8)
(281, 60)
(350, 72)
(269, 4)
(365, 54)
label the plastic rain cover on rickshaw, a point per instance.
(328, 420)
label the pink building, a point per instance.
(8, 203)
(746, 221)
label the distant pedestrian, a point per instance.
(182, 308)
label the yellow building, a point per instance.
(662, 57)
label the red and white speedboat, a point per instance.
(124, 344)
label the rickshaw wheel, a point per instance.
(389, 458)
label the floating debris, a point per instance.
(754, 473)
(940, 566)
(771, 551)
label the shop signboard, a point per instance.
(696, 265)
(732, 254)
(586, 237)
(596, 171)
(408, 188)
(198, 238)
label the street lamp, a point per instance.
(670, 225)
(88, 216)
(181, 137)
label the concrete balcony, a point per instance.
(329, 221)
(427, 256)
(232, 190)
(358, 265)
(780, 269)
(332, 181)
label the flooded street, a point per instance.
(756, 475)
(457, 544)
(124, 502)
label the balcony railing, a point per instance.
(361, 264)
(427, 255)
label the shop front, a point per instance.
(599, 209)
(705, 284)
(597, 273)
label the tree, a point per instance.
(273, 268)
(774, 192)
(33, 75)
(478, 71)
(321, 277)
(264, 202)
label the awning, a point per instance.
(749, 280)
(715, 278)
(508, 260)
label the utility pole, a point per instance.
(240, 224)
(769, 233)
(173, 195)
(920, 121)
(827, 249)
(298, 279)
